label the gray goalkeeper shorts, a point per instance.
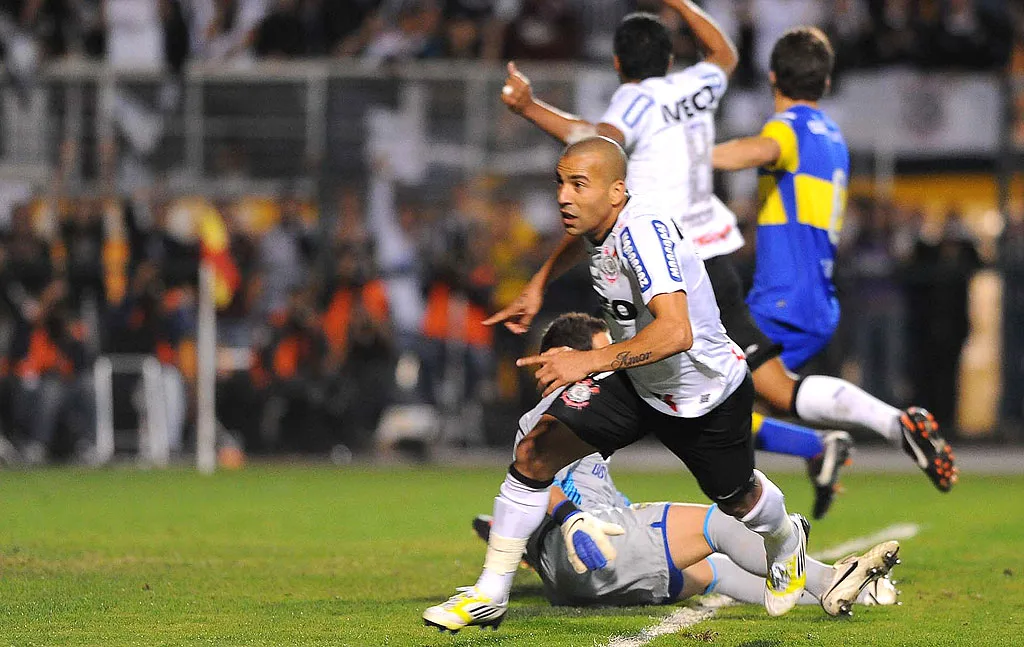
(642, 572)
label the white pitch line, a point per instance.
(689, 616)
(857, 544)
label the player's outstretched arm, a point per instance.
(668, 334)
(519, 314)
(718, 48)
(517, 94)
(745, 152)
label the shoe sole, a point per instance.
(936, 460)
(889, 560)
(491, 624)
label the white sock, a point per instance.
(824, 400)
(518, 510)
(769, 519)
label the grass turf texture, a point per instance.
(320, 556)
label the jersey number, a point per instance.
(698, 141)
(835, 221)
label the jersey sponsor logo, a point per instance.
(635, 262)
(689, 106)
(636, 110)
(600, 471)
(578, 395)
(668, 250)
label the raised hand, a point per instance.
(517, 93)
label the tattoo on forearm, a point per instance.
(625, 359)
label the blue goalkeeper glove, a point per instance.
(586, 537)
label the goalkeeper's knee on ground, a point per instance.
(586, 537)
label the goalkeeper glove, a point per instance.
(586, 537)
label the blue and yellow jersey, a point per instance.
(802, 198)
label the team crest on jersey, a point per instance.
(668, 250)
(578, 395)
(635, 262)
(608, 265)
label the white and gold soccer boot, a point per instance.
(787, 575)
(855, 573)
(467, 608)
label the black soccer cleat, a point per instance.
(931, 452)
(824, 469)
(482, 526)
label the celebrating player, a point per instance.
(666, 122)
(803, 166)
(666, 553)
(683, 379)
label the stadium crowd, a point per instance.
(969, 34)
(324, 304)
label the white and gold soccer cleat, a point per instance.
(787, 575)
(467, 608)
(853, 574)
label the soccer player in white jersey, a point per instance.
(672, 372)
(665, 121)
(670, 551)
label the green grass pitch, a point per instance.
(320, 556)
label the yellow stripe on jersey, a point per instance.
(772, 210)
(785, 137)
(816, 202)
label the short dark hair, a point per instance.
(643, 45)
(573, 329)
(802, 61)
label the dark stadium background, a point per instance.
(364, 200)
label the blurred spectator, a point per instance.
(473, 28)
(82, 242)
(171, 243)
(134, 34)
(457, 355)
(413, 32)
(1011, 264)
(350, 228)
(154, 321)
(849, 28)
(361, 358)
(348, 25)
(543, 30)
(282, 33)
(288, 373)
(973, 35)
(224, 29)
(234, 319)
(396, 230)
(27, 270)
(938, 324)
(52, 386)
(284, 254)
(900, 36)
(599, 19)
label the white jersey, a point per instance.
(669, 127)
(644, 256)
